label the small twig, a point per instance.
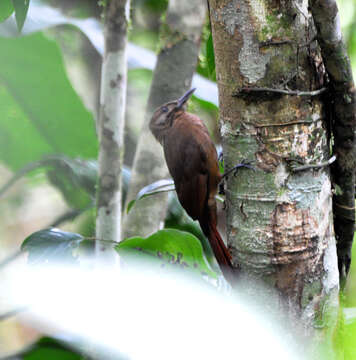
(248, 90)
(297, 122)
(314, 166)
(286, 42)
(276, 43)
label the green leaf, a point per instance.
(21, 8)
(6, 9)
(210, 57)
(169, 247)
(40, 112)
(47, 348)
(49, 246)
(157, 187)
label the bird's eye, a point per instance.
(164, 109)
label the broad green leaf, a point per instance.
(21, 8)
(49, 246)
(157, 187)
(169, 247)
(6, 9)
(40, 112)
(47, 348)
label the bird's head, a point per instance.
(163, 117)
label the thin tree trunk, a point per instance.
(176, 63)
(111, 123)
(343, 96)
(279, 219)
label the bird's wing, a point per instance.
(187, 164)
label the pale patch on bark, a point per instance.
(225, 129)
(305, 191)
(259, 11)
(281, 175)
(323, 209)
(236, 15)
(302, 11)
(331, 276)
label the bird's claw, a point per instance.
(221, 189)
(244, 163)
(221, 157)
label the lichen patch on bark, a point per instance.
(237, 15)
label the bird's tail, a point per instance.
(220, 250)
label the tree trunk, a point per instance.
(279, 219)
(176, 63)
(111, 124)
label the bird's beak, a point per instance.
(182, 100)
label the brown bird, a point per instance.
(193, 163)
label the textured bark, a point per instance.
(176, 63)
(111, 124)
(343, 95)
(279, 222)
